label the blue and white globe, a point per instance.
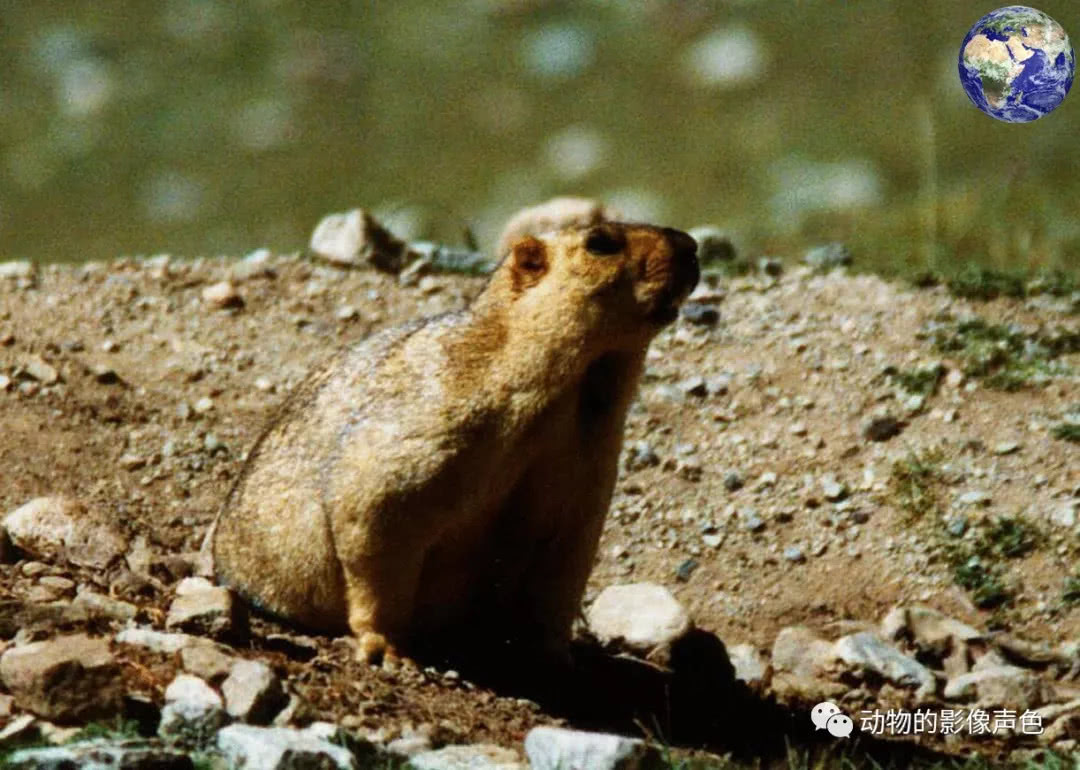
(1017, 64)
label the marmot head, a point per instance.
(615, 283)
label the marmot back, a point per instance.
(457, 470)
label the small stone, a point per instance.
(557, 748)
(712, 541)
(694, 386)
(771, 266)
(700, 314)
(1064, 515)
(750, 666)
(957, 526)
(828, 256)
(733, 481)
(640, 454)
(21, 268)
(833, 490)
(203, 608)
(157, 641)
(643, 616)
(203, 405)
(354, 238)
(110, 346)
(263, 384)
(222, 295)
(206, 661)
(882, 428)
(794, 554)
(975, 497)
(193, 712)
(253, 693)
(347, 313)
(797, 429)
(131, 462)
(48, 526)
(59, 585)
(1006, 448)
(104, 374)
(103, 606)
(36, 368)
(65, 679)
(685, 570)
(211, 443)
(750, 521)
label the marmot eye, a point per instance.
(602, 243)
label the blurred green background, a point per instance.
(204, 127)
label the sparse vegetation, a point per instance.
(116, 729)
(1070, 592)
(1004, 356)
(1067, 431)
(921, 381)
(914, 480)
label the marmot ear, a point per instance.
(528, 262)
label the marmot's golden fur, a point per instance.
(456, 471)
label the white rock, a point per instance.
(253, 693)
(354, 238)
(280, 748)
(193, 711)
(865, 651)
(997, 685)
(749, 664)
(643, 615)
(556, 748)
(57, 525)
(479, 756)
(221, 295)
(17, 269)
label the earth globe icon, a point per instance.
(1017, 64)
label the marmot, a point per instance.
(455, 472)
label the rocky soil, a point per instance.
(815, 473)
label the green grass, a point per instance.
(851, 755)
(1067, 431)
(921, 381)
(1003, 356)
(1070, 591)
(914, 483)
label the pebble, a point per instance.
(203, 405)
(750, 520)
(685, 570)
(712, 541)
(700, 314)
(640, 454)
(771, 266)
(733, 481)
(975, 497)
(693, 386)
(222, 295)
(1006, 448)
(882, 428)
(36, 368)
(833, 490)
(828, 256)
(794, 554)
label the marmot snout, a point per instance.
(455, 472)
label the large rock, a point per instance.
(95, 755)
(750, 666)
(253, 693)
(204, 608)
(66, 679)
(480, 756)
(553, 214)
(641, 616)
(803, 667)
(556, 748)
(1003, 686)
(864, 652)
(56, 526)
(354, 238)
(280, 748)
(193, 711)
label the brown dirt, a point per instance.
(808, 349)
